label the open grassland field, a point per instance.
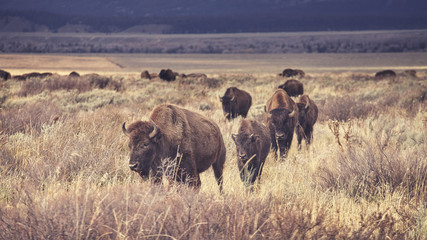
(212, 63)
(64, 158)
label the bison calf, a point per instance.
(235, 102)
(252, 147)
(193, 140)
(307, 117)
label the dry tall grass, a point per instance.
(64, 163)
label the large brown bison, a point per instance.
(288, 72)
(252, 148)
(193, 140)
(293, 87)
(281, 120)
(385, 74)
(307, 117)
(235, 102)
(4, 75)
(167, 75)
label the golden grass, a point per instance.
(65, 172)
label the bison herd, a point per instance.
(191, 143)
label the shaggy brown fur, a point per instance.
(307, 117)
(292, 73)
(167, 75)
(192, 139)
(4, 75)
(145, 75)
(293, 87)
(385, 74)
(235, 102)
(252, 148)
(281, 120)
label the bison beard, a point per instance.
(192, 140)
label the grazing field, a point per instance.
(64, 158)
(212, 63)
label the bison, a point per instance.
(288, 72)
(193, 140)
(197, 75)
(252, 148)
(235, 102)
(74, 74)
(145, 75)
(385, 74)
(167, 75)
(281, 120)
(307, 117)
(4, 75)
(293, 87)
(26, 76)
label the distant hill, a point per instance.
(210, 16)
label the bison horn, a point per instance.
(125, 131)
(307, 105)
(220, 99)
(232, 99)
(292, 114)
(155, 130)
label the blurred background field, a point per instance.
(212, 63)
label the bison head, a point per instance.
(143, 142)
(282, 121)
(246, 146)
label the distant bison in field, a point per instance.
(252, 148)
(167, 75)
(32, 75)
(282, 117)
(145, 75)
(293, 87)
(174, 133)
(235, 102)
(74, 74)
(385, 74)
(410, 73)
(197, 75)
(307, 117)
(4, 75)
(288, 72)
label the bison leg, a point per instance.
(299, 136)
(218, 168)
(187, 176)
(309, 135)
